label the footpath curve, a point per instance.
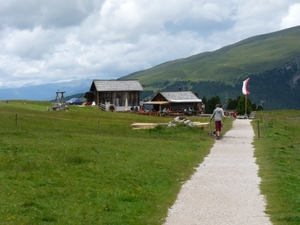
(225, 187)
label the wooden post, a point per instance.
(159, 110)
(258, 129)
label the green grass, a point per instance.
(278, 156)
(86, 166)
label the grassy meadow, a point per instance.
(278, 156)
(86, 166)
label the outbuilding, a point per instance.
(176, 101)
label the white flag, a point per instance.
(245, 87)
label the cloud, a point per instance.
(51, 40)
(30, 44)
(292, 18)
(29, 14)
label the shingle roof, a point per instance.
(180, 96)
(118, 85)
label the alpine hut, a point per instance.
(176, 101)
(115, 95)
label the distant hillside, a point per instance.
(270, 60)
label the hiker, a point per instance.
(164, 111)
(203, 107)
(218, 114)
(168, 111)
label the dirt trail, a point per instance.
(225, 187)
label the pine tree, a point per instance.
(241, 105)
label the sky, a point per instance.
(54, 41)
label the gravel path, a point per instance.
(225, 187)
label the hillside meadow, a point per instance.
(86, 166)
(250, 56)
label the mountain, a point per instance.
(46, 92)
(271, 61)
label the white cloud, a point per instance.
(30, 44)
(51, 40)
(292, 18)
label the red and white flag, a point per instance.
(245, 87)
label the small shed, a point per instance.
(176, 101)
(115, 95)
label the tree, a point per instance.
(241, 105)
(204, 101)
(211, 104)
(232, 104)
(259, 108)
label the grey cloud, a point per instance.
(200, 27)
(46, 14)
(18, 14)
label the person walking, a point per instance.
(218, 115)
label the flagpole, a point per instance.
(245, 104)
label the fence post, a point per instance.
(258, 129)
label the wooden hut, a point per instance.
(176, 101)
(115, 95)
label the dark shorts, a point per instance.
(218, 125)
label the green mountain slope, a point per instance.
(228, 66)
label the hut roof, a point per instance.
(117, 85)
(177, 97)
